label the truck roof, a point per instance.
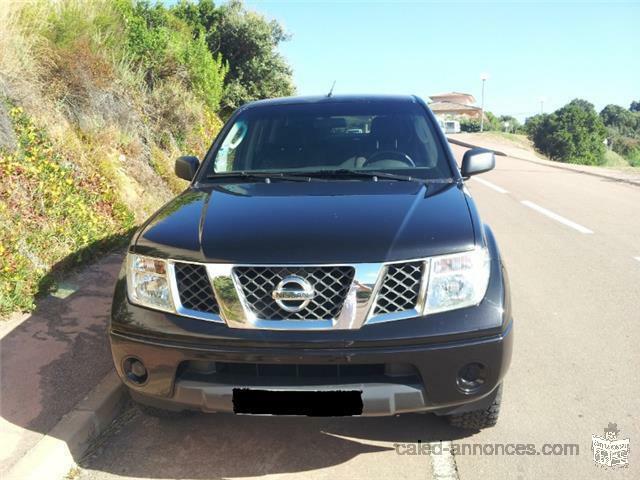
(332, 99)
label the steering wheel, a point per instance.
(389, 155)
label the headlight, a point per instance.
(148, 282)
(457, 281)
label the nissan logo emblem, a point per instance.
(293, 293)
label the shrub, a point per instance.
(634, 158)
(147, 38)
(206, 73)
(514, 125)
(165, 46)
(491, 123)
(470, 125)
(628, 147)
(573, 134)
(623, 131)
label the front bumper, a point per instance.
(434, 388)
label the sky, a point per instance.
(547, 51)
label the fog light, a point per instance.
(471, 377)
(135, 370)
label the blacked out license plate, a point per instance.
(312, 403)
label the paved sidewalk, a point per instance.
(627, 175)
(52, 358)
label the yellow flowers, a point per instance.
(48, 210)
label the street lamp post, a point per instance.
(483, 77)
(541, 105)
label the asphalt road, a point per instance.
(571, 243)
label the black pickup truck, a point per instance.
(326, 259)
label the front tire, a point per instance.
(479, 419)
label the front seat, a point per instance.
(288, 149)
(389, 134)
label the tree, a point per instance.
(635, 106)
(575, 134)
(624, 121)
(623, 131)
(513, 122)
(531, 124)
(491, 122)
(248, 42)
(582, 104)
(539, 128)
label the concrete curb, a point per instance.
(566, 167)
(470, 145)
(56, 453)
(559, 165)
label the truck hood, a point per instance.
(307, 223)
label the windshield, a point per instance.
(394, 137)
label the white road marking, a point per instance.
(490, 185)
(637, 258)
(556, 217)
(443, 464)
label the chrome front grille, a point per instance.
(331, 284)
(400, 288)
(297, 297)
(194, 288)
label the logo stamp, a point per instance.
(609, 451)
(293, 293)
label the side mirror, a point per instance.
(477, 160)
(186, 167)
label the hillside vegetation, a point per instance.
(576, 133)
(97, 98)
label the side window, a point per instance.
(227, 153)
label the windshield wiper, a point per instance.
(372, 174)
(306, 176)
(267, 177)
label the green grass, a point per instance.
(50, 214)
(612, 159)
(519, 140)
